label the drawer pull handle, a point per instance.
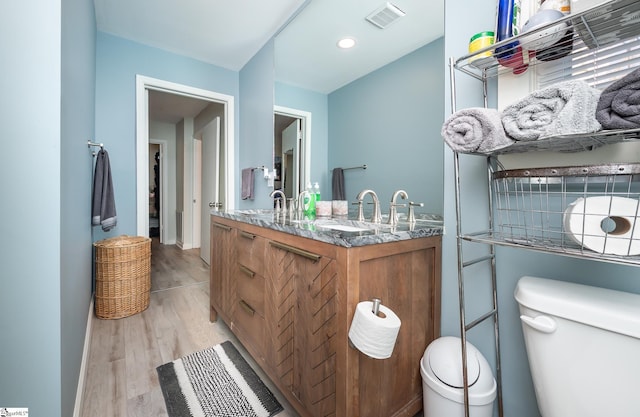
(248, 235)
(247, 271)
(247, 307)
(220, 226)
(309, 255)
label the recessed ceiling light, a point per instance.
(346, 43)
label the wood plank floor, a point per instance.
(121, 371)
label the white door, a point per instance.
(210, 183)
(291, 146)
(197, 193)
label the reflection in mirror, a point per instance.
(291, 149)
(379, 103)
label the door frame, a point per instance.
(305, 142)
(143, 85)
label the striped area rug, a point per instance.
(215, 382)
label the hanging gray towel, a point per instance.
(103, 206)
(247, 183)
(337, 184)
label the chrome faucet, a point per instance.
(411, 216)
(293, 206)
(376, 217)
(274, 194)
(393, 211)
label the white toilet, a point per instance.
(583, 345)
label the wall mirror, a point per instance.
(309, 67)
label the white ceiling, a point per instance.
(306, 54)
(226, 33)
(229, 33)
(171, 108)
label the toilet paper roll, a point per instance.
(374, 335)
(604, 224)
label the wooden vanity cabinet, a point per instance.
(303, 295)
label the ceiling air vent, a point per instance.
(385, 15)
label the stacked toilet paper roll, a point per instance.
(605, 224)
(374, 334)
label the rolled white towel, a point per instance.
(561, 109)
(475, 130)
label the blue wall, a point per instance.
(47, 102)
(256, 119)
(118, 61)
(519, 397)
(30, 368)
(77, 127)
(390, 120)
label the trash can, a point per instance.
(442, 384)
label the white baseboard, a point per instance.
(83, 366)
(183, 246)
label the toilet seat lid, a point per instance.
(446, 364)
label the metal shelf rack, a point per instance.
(582, 36)
(530, 204)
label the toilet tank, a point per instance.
(583, 345)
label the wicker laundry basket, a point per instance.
(123, 276)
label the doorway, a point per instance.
(292, 149)
(156, 167)
(174, 218)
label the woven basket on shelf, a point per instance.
(123, 276)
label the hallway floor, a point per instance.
(121, 370)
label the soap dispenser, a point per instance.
(316, 191)
(309, 202)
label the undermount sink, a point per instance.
(344, 228)
(254, 212)
(349, 225)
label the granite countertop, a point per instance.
(341, 231)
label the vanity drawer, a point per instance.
(250, 249)
(250, 289)
(251, 324)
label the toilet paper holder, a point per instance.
(374, 329)
(376, 305)
(375, 309)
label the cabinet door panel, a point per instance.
(412, 297)
(281, 272)
(305, 331)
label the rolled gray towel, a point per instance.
(475, 130)
(619, 104)
(561, 109)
